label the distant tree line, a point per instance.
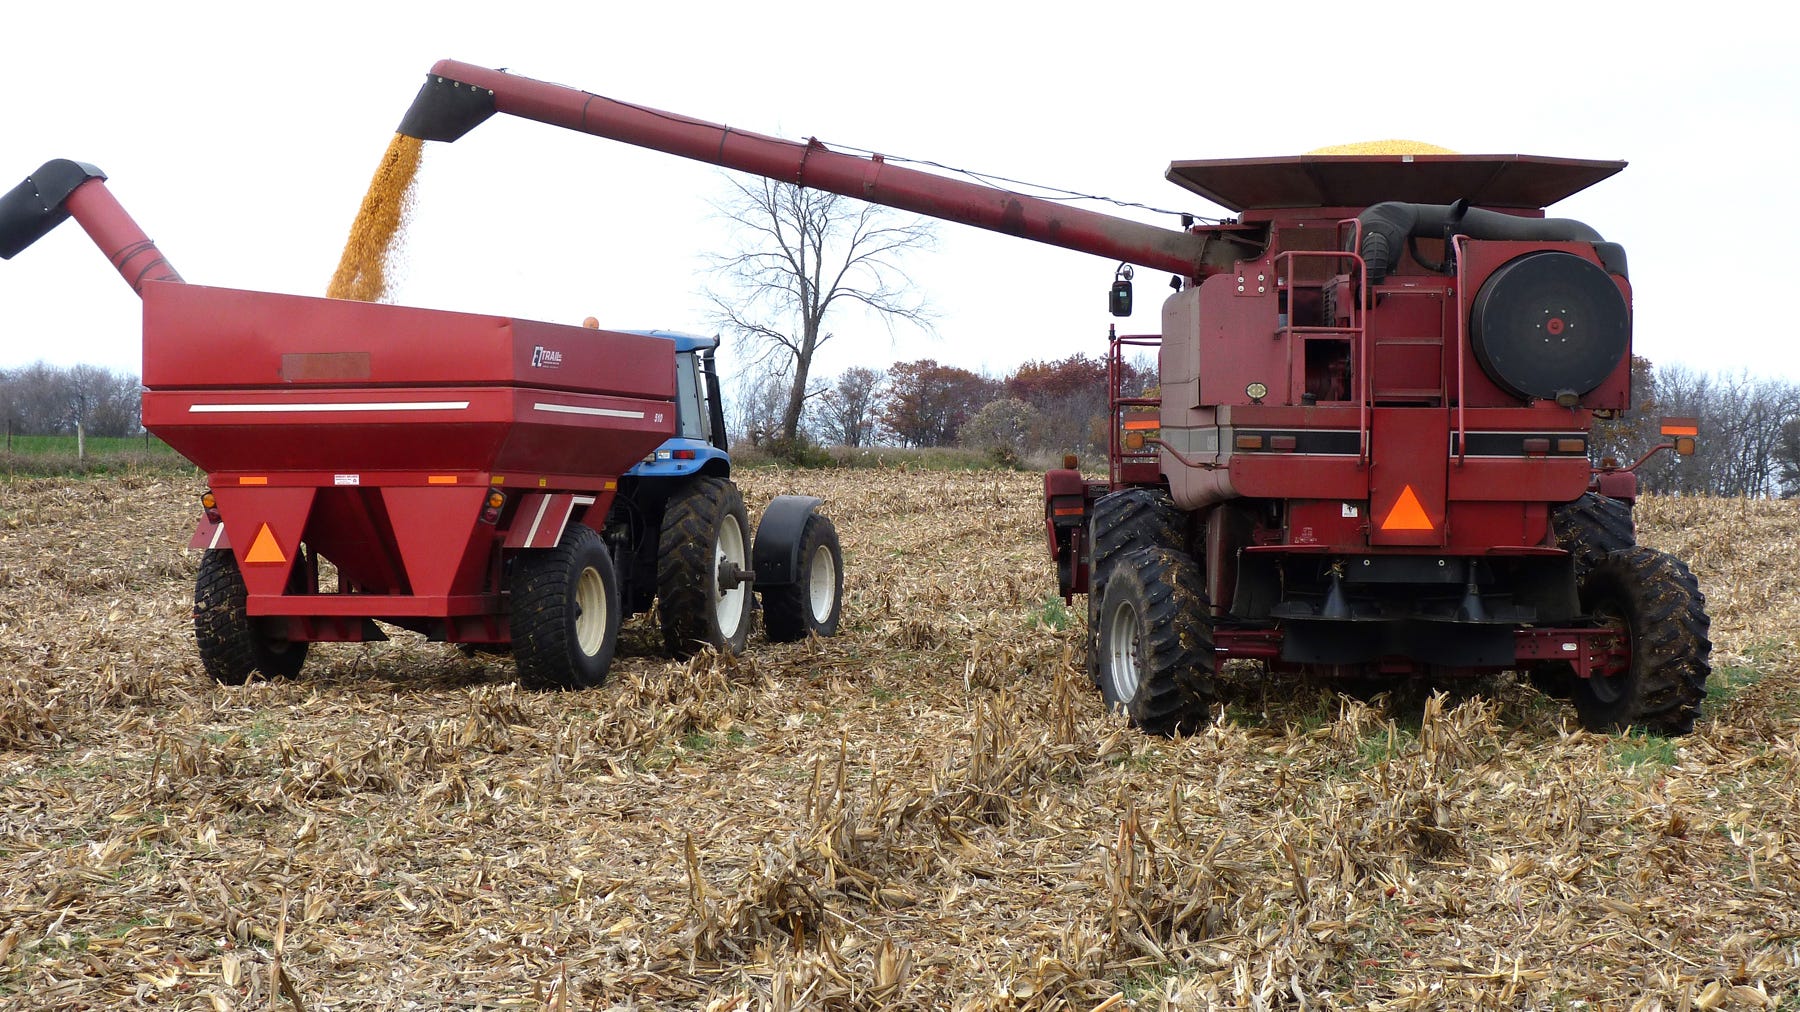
(46, 400)
(1749, 441)
(1040, 408)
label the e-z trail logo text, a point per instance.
(545, 358)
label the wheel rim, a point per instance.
(729, 552)
(1121, 654)
(822, 587)
(590, 611)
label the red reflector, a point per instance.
(1571, 446)
(1537, 444)
(1282, 442)
(1142, 423)
(1067, 511)
(684, 455)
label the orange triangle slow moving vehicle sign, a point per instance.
(264, 548)
(1407, 514)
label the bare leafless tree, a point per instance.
(799, 253)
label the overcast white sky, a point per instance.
(241, 136)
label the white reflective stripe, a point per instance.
(218, 532)
(584, 500)
(339, 406)
(531, 535)
(571, 409)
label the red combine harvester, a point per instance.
(478, 479)
(1368, 452)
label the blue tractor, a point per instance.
(680, 535)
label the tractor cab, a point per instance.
(699, 444)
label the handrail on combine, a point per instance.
(1118, 454)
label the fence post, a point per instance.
(80, 442)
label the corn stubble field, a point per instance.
(929, 812)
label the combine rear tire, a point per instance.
(231, 648)
(565, 612)
(1156, 646)
(1660, 614)
(703, 569)
(814, 602)
(1590, 528)
(1124, 521)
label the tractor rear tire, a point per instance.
(814, 602)
(565, 612)
(705, 530)
(1124, 521)
(1590, 528)
(1655, 603)
(231, 648)
(1156, 645)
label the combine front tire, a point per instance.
(703, 569)
(1124, 521)
(231, 648)
(813, 603)
(565, 612)
(1656, 607)
(1156, 657)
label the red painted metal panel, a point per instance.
(540, 520)
(442, 547)
(208, 535)
(221, 337)
(1526, 182)
(1409, 458)
(262, 516)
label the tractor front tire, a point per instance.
(1124, 521)
(813, 603)
(1156, 644)
(231, 648)
(565, 612)
(1655, 604)
(705, 538)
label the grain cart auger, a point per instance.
(1368, 451)
(481, 480)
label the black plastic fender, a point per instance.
(775, 553)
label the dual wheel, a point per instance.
(566, 610)
(1150, 645)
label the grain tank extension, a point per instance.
(1368, 452)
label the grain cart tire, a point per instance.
(1655, 604)
(1156, 644)
(813, 603)
(1589, 529)
(565, 612)
(1124, 521)
(231, 648)
(703, 569)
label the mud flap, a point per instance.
(775, 554)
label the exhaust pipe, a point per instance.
(62, 189)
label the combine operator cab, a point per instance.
(1371, 452)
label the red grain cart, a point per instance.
(463, 476)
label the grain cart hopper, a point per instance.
(479, 479)
(1368, 451)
